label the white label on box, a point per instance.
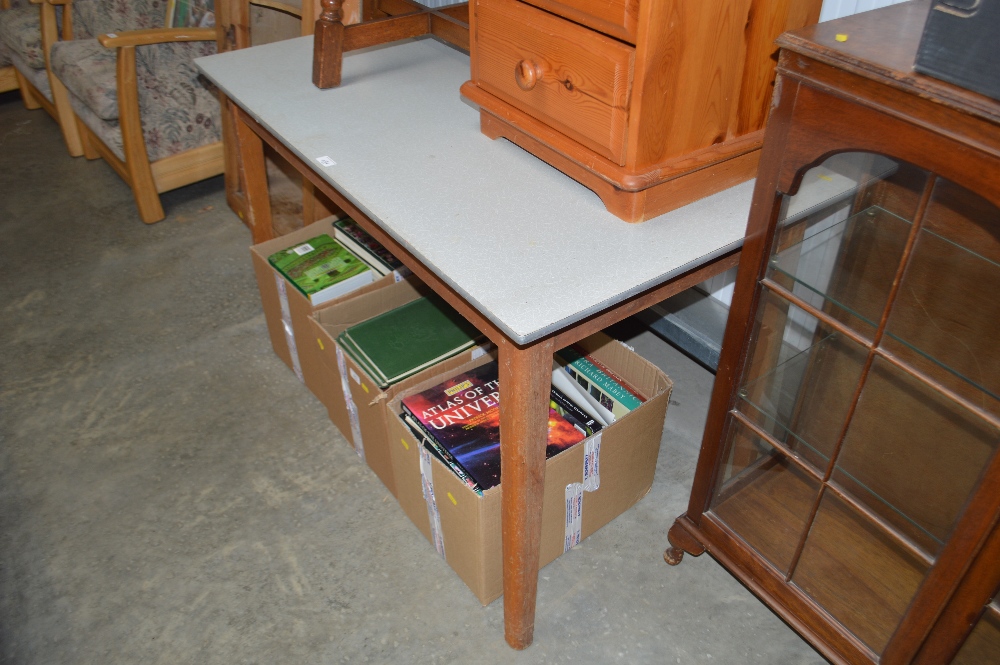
(303, 249)
(574, 516)
(352, 410)
(352, 415)
(286, 323)
(354, 375)
(592, 463)
(325, 161)
(399, 274)
(433, 515)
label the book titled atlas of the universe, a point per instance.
(463, 416)
(321, 268)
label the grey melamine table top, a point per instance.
(530, 248)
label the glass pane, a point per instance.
(841, 255)
(913, 456)
(800, 380)
(945, 317)
(982, 647)
(856, 572)
(763, 496)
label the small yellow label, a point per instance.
(841, 37)
(405, 444)
(365, 388)
(825, 177)
(320, 342)
(452, 499)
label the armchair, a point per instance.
(27, 33)
(139, 101)
(8, 76)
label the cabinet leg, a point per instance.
(681, 541)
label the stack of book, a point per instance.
(322, 269)
(458, 420)
(403, 341)
(352, 236)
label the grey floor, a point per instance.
(170, 493)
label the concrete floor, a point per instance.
(170, 493)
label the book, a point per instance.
(565, 406)
(425, 439)
(368, 249)
(582, 398)
(462, 414)
(321, 269)
(608, 392)
(401, 342)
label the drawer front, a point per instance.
(618, 18)
(573, 79)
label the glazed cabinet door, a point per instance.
(868, 410)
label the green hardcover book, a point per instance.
(405, 340)
(322, 269)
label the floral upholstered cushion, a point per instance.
(39, 78)
(21, 34)
(87, 69)
(178, 110)
(99, 17)
(4, 56)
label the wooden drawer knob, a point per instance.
(526, 73)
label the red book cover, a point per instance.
(463, 415)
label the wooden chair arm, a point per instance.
(134, 38)
(52, 2)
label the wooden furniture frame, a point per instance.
(58, 107)
(147, 179)
(8, 75)
(838, 96)
(382, 22)
(464, 200)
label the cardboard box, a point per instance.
(362, 419)
(283, 303)
(470, 524)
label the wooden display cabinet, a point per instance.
(849, 473)
(652, 104)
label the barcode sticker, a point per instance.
(592, 463)
(325, 161)
(354, 375)
(433, 514)
(574, 516)
(302, 249)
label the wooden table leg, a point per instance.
(251, 152)
(525, 380)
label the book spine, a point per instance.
(362, 253)
(622, 382)
(610, 393)
(426, 439)
(571, 411)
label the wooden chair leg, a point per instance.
(27, 96)
(8, 78)
(89, 151)
(60, 96)
(66, 117)
(133, 142)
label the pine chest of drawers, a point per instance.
(652, 104)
